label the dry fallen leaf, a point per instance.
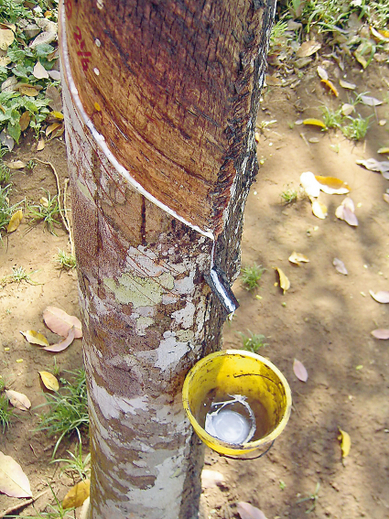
(300, 370)
(7, 37)
(340, 266)
(60, 322)
(61, 346)
(15, 221)
(24, 121)
(16, 164)
(332, 185)
(381, 297)
(331, 87)
(308, 48)
(39, 71)
(247, 511)
(384, 150)
(13, 481)
(370, 101)
(347, 85)
(347, 109)
(322, 73)
(284, 281)
(346, 212)
(297, 258)
(34, 337)
(211, 478)
(77, 495)
(309, 183)
(376, 165)
(314, 122)
(41, 144)
(55, 130)
(385, 196)
(345, 442)
(18, 400)
(381, 333)
(49, 380)
(319, 209)
(28, 90)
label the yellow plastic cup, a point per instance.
(235, 372)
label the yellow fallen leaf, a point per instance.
(284, 281)
(330, 86)
(24, 121)
(297, 258)
(315, 122)
(56, 115)
(14, 223)
(40, 145)
(383, 150)
(7, 37)
(28, 90)
(49, 380)
(335, 185)
(345, 442)
(53, 128)
(77, 495)
(34, 337)
(319, 209)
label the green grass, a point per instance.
(18, 275)
(77, 465)
(332, 118)
(67, 409)
(47, 211)
(356, 129)
(288, 196)
(6, 412)
(253, 342)
(53, 511)
(251, 276)
(65, 261)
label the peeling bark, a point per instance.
(162, 154)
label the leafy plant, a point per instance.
(253, 342)
(18, 275)
(313, 497)
(251, 276)
(47, 211)
(66, 261)
(332, 118)
(68, 409)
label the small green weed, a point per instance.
(356, 129)
(76, 464)
(53, 511)
(313, 497)
(278, 32)
(6, 411)
(47, 211)
(65, 261)
(253, 342)
(251, 276)
(332, 118)
(18, 275)
(68, 409)
(289, 196)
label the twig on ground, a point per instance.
(17, 507)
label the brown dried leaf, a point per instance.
(28, 90)
(60, 322)
(381, 297)
(49, 380)
(61, 346)
(247, 511)
(300, 370)
(54, 95)
(284, 281)
(41, 144)
(34, 337)
(381, 333)
(18, 400)
(347, 85)
(7, 37)
(13, 481)
(53, 129)
(77, 495)
(24, 121)
(322, 73)
(308, 48)
(15, 220)
(16, 164)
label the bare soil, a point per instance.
(324, 320)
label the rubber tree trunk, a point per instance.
(160, 102)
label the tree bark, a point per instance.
(160, 101)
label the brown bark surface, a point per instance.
(172, 89)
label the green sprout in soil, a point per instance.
(313, 497)
(67, 409)
(289, 196)
(76, 465)
(6, 411)
(332, 118)
(65, 261)
(47, 211)
(251, 276)
(18, 275)
(356, 129)
(253, 342)
(30, 165)
(53, 511)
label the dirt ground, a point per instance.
(324, 320)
